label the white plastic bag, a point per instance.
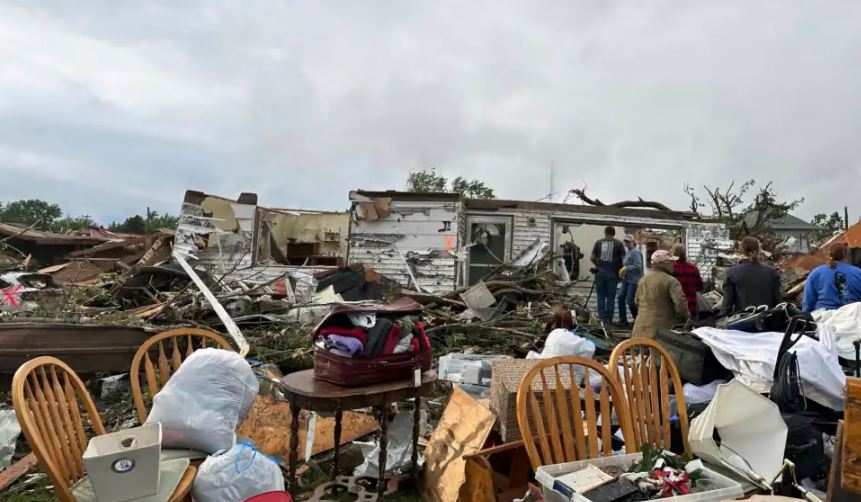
(204, 401)
(237, 475)
(561, 342)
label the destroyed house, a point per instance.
(257, 245)
(437, 242)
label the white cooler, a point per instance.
(124, 465)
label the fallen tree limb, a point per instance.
(17, 470)
(639, 203)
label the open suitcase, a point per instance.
(359, 371)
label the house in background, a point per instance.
(438, 242)
(795, 233)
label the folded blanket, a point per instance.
(357, 333)
(344, 345)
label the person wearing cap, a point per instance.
(631, 273)
(660, 299)
(834, 284)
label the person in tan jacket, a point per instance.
(660, 299)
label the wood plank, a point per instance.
(851, 472)
(16, 470)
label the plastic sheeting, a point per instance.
(9, 431)
(561, 342)
(752, 357)
(845, 322)
(204, 401)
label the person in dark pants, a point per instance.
(607, 256)
(750, 283)
(631, 273)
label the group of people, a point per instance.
(660, 298)
(665, 295)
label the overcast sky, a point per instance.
(109, 107)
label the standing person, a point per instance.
(661, 301)
(631, 273)
(607, 256)
(832, 285)
(689, 276)
(750, 283)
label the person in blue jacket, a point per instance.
(832, 285)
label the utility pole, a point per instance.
(845, 218)
(552, 180)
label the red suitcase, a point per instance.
(359, 371)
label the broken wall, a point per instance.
(418, 236)
(318, 238)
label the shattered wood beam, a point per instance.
(222, 314)
(16, 470)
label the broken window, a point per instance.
(490, 238)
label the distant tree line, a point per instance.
(42, 215)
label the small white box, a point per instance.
(124, 465)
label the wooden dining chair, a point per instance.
(169, 349)
(559, 412)
(644, 370)
(52, 403)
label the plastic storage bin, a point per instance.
(726, 489)
(124, 465)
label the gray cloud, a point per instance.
(114, 106)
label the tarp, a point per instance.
(752, 357)
(845, 322)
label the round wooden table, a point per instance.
(303, 391)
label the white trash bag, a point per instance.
(562, 342)
(237, 475)
(204, 401)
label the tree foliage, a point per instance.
(35, 212)
(428, 180)
(827, 225)
(729, 205)
(138, 224)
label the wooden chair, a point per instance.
(172, 347)
(646, 373)
(51, 403)
(558, 415)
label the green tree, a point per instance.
(73, 223)
(428, 180)
(28, 212)
(138, 224)
(827, 225)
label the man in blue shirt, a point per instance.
(833, 285)
(631, 273)
(607, 255)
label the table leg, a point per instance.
(337, 460)
(417, 413)
(384, 440)
(294, 445)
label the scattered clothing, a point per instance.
(692, 283)
(377, 337)
(357, 333)
(404, 344)
(363, 319)
(628, 297)
(661, 302)
(750, 284)
(831, 288)
(346, 344)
